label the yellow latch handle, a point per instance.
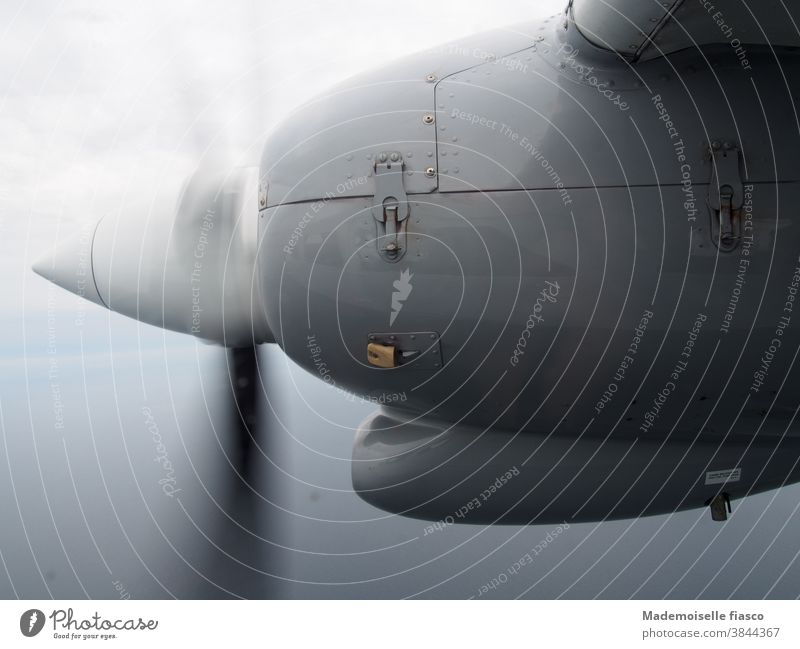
(381, 355)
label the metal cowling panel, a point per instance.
(564, 114)
(326, 148)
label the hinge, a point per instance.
(725, 196)
(390, 206)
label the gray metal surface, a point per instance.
(624, 26)
(530, 124)
(379, 111)
(648, 29)
(460, 475)
(483, 260)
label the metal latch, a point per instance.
(390, 207)
(420, 350)
(382, 355)
(725, 196)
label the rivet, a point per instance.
(715, 145)
(413, 337)
(433, 335)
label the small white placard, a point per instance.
(727, 475)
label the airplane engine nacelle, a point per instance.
(579, 229)
(536, 234)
